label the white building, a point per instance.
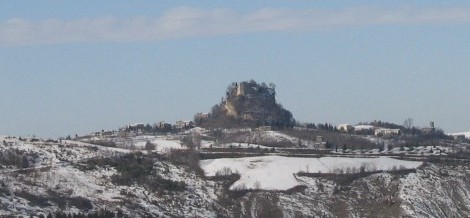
(387, 132)
(184, 124)
(345, 127)
(364, 127)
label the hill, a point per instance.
(248, 104)
(39, 177)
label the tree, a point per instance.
(328, 145)
(408, 123)
(192, 141)
(25, 162)
(148, 128)
(149, 146)
(196, 141)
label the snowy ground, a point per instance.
(55, 176)
(278, 173)
(162, 144)
(208, 144)
(269, 138)
(56, 170)
(279, 136)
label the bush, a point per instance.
(188, 158)
(137, 168)
(150, 146)
(16, 158)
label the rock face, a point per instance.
(249, 104)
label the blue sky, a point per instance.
(70, 67)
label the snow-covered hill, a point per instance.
(59, 176)
(39, 177)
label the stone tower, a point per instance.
(241, 88)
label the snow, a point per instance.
(196, 130)
(437, 190)
(207, 144)
(279, 136)
(364, 127)
(56, 169)
(429, 194)
(162, 145)
(278, 172)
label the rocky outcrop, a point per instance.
(249, 104)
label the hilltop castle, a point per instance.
(241, 89)
(251, 88)
(253, 104)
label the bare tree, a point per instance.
(408, 123)
(192, 141)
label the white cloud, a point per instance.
(193, 22)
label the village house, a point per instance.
(136, 127)
(164, 126)
(345, 127)
(387, 132)
(184, 124)
(202, 116)
(429, 130)
(459, 137)
(319, 143)
(103, 133)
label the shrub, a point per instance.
(150, 146)
(137, 168)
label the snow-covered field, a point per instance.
(208, 144)
(269, 138)
(58, 177)
(278, 173)
(162, 145)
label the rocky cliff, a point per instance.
(249, 104)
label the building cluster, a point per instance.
(140, 128)
(459, 137)
(386, 132)
(179, 125)
(380, 131)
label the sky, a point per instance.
(74, 67)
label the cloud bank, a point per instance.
(192, 22)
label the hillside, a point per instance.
(40, 177)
